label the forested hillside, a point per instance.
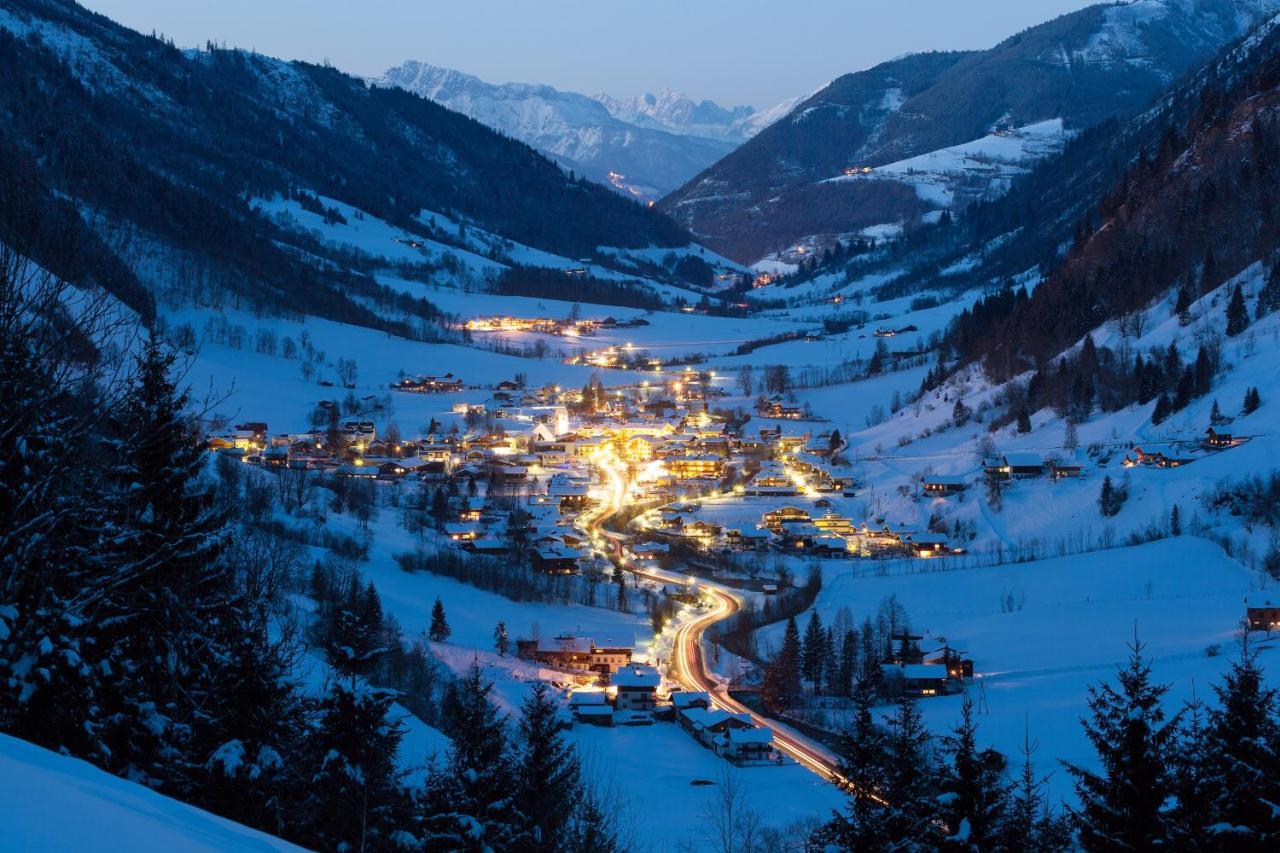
(1086, 67)
(110, 136)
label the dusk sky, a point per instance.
(732, 51)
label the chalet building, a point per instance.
(747, 538)
(556, 560)
(705, 466)
(636, 687)
(926, 544)
(776, 407)
(830, 547)
(488, 546)
(1017, 466)
(570, 652)
(833, 523)
(746, 746)
(1065, 470)
(1265, 618)
(682, 700)
(572, 495)
(430, 384)
(774, 519)
(1153, 459)
(706, 724)
(918, 679)
(943, 485)
(1213, 439)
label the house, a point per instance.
(746, 746)
(774, 519)
(1265, 618)
(636, 687)
(573, 652)
(1213, 439)
(594, 715)
(918, 679)
(556, 560)
(571, 494)
(705, 466)
(1023, 464)
(706, 724)
(586, 698)
(943, 485)
(684, 593)
(747, 538)
(649, 550)
(926, 544)
(1153, 459)
(683, 699)
(1063, 470)
(831, 547)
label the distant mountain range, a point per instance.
(644, 146)
(1100, 62)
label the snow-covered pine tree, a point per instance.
(1192, 781)
(548, 775)
(1243, 744)
(48, 653)
(470, 802)
(1122, 806)
(974, 794)
(910, 781)
(355, 801)
(863, 823)
(168, 589)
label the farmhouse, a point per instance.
(743, 746)
(943, 485)
(636, 687)
(1019, 466)
(1265, 618)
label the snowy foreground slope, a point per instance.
(50, 802)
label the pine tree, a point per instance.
(910, 780)
(1252, 400)
(1243, 744)
(355, 801)
(781, 686)
(1237, 313)
(848, 671)
(975, 796)
(1269, 296)
(1162, 409)
(548, 781)
(864, 758)
(1182, 308)
(1107, 497)
(1215, 415)
(470, 802)
(501, 641)
(813, 652)
(1024, 421)
(439, 631)
(353, 638)
(169, 585)
(830, 664)
(1030, 825)
(1193, 782)
(1175, 521)
(1122, 806)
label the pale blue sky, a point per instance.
(733, 51)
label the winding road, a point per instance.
(687, 666)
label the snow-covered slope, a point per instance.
(644, 146)
(50, 802)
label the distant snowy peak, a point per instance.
(644, 146)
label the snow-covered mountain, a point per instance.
(645, 146)
(1101, 62)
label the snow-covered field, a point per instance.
(56, 804)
